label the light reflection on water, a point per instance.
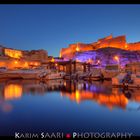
(81, 91)
(12, 91)
(95, 95)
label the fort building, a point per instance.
(109, 41)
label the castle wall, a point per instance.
(106, 38)
(85, 47)
(133, 46)
(109, 41)
(67, 52)
(117, 42)
(73, 48)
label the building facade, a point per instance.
(12, 58)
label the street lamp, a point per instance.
(118, 60)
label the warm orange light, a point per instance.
(77, 48)
(26, 64)
(52, 60)
(116, 58)
(16, 62)
(77, 96)
(12, 91)
(36, 63)
(126, 46)
(111, 101)
(13, 53)
(56, 64)
(60, 55)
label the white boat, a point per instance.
(54, 75)
(110, 71)
(96, 74)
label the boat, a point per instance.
(84, 75)
(127, 79)
(23, 74)
(96, 75)
(110, 71)
(76, 75)
(117, 80)
(54, 75)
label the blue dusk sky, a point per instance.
(52, 27)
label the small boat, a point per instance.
(97, 78)
(127, 80)
(54, 75)
(94, 75)
(110, 71)
(84, 75)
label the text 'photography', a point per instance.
(69, 71)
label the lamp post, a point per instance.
(118, 60)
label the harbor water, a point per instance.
(30, 106)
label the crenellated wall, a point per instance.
(105, 38)
(73, 48)
(133, 46)
(109, 41)
(117, 42)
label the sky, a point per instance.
(55, 26)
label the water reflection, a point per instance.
(12, 91)
(110, 101)
(101, 93)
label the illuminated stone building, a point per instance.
(12, 58)
(109, 41)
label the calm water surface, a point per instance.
(64, 106)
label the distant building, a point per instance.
(12, 58)
(109, 41)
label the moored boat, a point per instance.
(23, 74)
(110, 71)
(127, 80)
(54, 75)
